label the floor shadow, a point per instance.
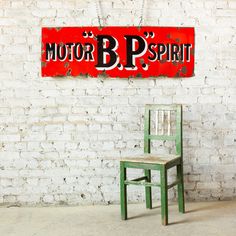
(212, 206)
(150, 213)
(179, 222)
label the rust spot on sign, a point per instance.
(177, 74)
(66, 65)
(68, 73)
(184, 69)
(177, 40)
(163, 60)
(43, 64)
(139, 75)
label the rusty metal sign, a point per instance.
(118, 51)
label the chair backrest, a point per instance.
(163, 122)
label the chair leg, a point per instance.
(164, 196)
(180, 188)
(123, 192)
(148, 190)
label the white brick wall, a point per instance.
(60, 139)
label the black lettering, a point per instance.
(103, 51)
(168, 52)
(174, 52)
(78, 51)
(131, 53)
(61, 52)
(161, 49)
(188, 46)
(88, 52)
(152, 51)
(70, 45)
(50, 51)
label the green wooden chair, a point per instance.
(162, 163)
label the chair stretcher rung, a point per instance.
(173, 184)
(142, 183)
(139, 179)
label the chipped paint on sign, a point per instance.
(118, 51)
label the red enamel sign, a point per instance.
(118, 51)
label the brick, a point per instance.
(232, 4)
(10, 138)
(44, 13)
(225, 12)
(209, 99)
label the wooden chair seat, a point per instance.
(152, 158)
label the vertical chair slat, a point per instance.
(156, 124)
(162, 122)
(147, 130)
(168, 120)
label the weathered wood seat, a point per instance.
(152, 158)
(160, 162)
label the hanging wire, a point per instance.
(141, 17)
(98, 8)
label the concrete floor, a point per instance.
(208, 218)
